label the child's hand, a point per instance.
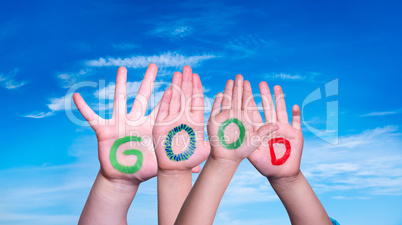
(179, 130)
(125, 147)
(278, 161)
(231, 133)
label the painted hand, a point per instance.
(125, 146)
(280, 160)
(231, 133)
(179, 130)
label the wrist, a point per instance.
(113, 186)
(224, 159)
(174, 173)
(223, 162)
(287, 181)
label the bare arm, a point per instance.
(125, 161)
(205, 197)
(300, 201)
(279, 158)
(179, 142)
(108, 202)
(226, 153)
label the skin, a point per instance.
(113, 191)
(182, 103)
(202, 203)
(287, 180)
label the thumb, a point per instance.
(265, 130)
(196, 169)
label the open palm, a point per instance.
(230, 130)
(278, 160)
(125, 148)
(181, 108)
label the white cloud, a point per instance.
(132, 89)
(125, 46)
(9, 82)
(163, 60)
(310, 76)
(248, 44)
(384, 113)
(250, 181)
(57, 194)
(39, 115)
(366, 137)
(56, 104)
(283, 76)
(367, 163)
(173, 31)
(69, 79)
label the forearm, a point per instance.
(173, 188)
(300, 201)
(203, 201)
(108, 202)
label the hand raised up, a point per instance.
(179, 131)
(280, 155)
(230, 129)
(125, 147)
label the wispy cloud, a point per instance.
(132, 89)
(250, 181)
(39, 115)
(365, 164)
(308, 76)
(164, 60)
(56, 104)
(214, 18)
(8, 81)
(248, 44)
(47, 198)
(69, 79)
(383, 113)
(284, 76)
(125, 46)
(366, 137)
(172, 31)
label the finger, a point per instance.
(164, 106)
(144, 92)
(216, 107)
(187, 85)
(246, 104)
(256, 114)
(120, 94)
(266, 130)
(175, 102)
(154, 113)
(197, 99)
(267, 103)
(256, 156)
(296, 121)
(251, 109)
(89, 115)
(281, 113)
(227, 95)
(237, 92)
(196, 169)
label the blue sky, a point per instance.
(49, 163)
